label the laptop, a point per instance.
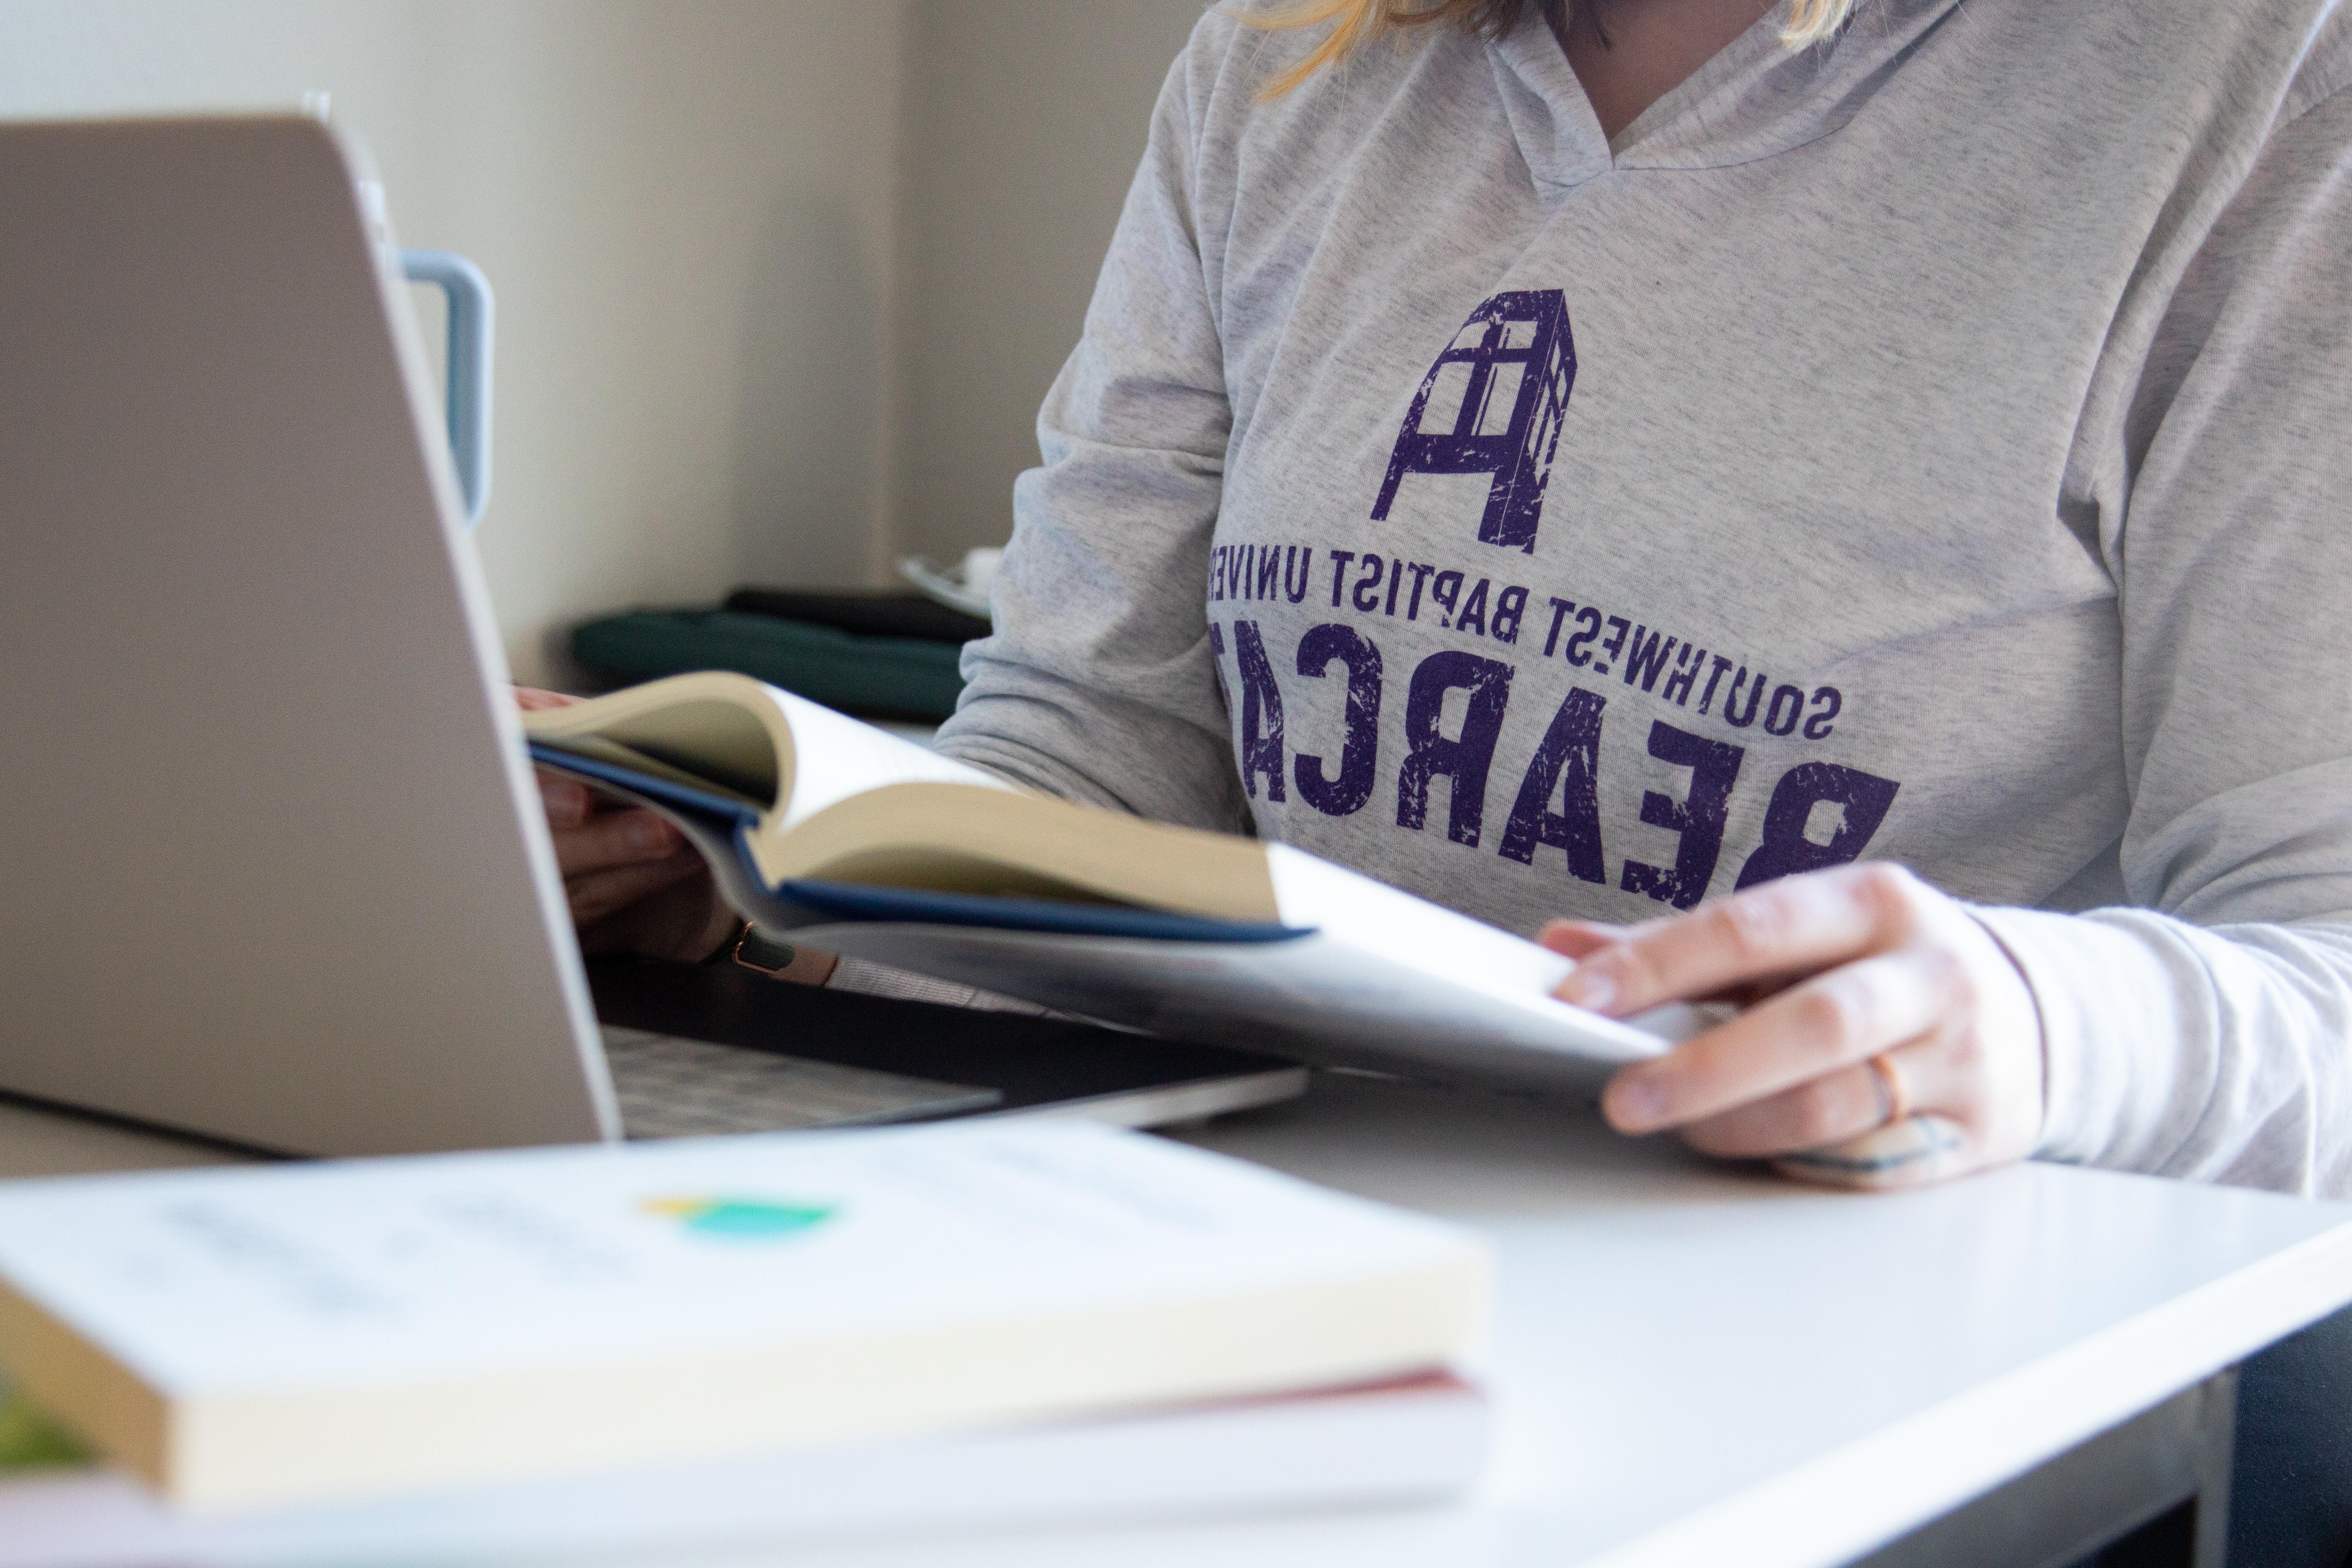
(272, 865)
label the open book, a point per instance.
(857, 842)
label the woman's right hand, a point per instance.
(631, 881)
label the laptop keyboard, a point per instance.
(674, 1088)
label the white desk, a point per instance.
(1697, 1365)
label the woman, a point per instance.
(1692, 451)
(1678, 461)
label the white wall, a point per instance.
(1026, 121)
(715, 228)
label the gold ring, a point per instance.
(1892, 1090)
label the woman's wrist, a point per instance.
(2101, 998)
(2041, 1019)
(724, 953)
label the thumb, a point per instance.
(531, 699)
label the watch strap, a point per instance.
(761, 954)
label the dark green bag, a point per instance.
(898, 678)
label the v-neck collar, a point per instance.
(1721, 75)
(1752, 99)
(1558, 132)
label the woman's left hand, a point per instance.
(1885, 1039)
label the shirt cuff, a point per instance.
(2099, 990)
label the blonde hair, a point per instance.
(1358, 23)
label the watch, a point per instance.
(747, 949)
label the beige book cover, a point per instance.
(303, 1333)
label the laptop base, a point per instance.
(1023, 1065)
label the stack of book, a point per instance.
(697, 1344)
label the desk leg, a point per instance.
(2153, 1492)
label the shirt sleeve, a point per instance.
(1098, 684)
(2208, 1032)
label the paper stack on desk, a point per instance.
(786, 1319)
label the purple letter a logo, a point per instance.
(1493, 404)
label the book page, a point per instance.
(751, 740)
(835, 756)
(711, 727)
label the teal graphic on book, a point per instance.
(740, 1219)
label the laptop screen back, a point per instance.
(270, 862)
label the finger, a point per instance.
(1789, 927)
(532, 699)
(1830, 1021)
(595, 894)
(1822, 1112)
(685, 922)
(1574, 939)
(1911, 1153)
(615, 838)
(567, 800)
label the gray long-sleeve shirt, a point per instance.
(1935, 447)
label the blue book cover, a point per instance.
(729, 821)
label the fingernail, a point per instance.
(649, 834)
(1635, 1105)
(1587, 986)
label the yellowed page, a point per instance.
(951, 839)
(791, 756)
